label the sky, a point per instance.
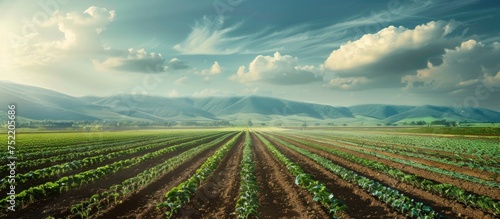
(332, 52)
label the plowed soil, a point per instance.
(448, 208)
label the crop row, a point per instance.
(317, 189)
(421, 166)
(483, 202)
(110, 197)
(248, 202)
(77, 164)
(456, 160)
(182, 193)
(100, 149)
(392, 197)
(480, 148)
(39, 192)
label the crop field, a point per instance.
(251, 173)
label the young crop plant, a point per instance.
(390, 196)
(182, 193)
(120, 191)
(317, 189)
(248, 202)
(483, 202)
(32, 194)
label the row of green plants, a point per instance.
(478, 147)
(96, 150)
(182, 193)
(461, 176)
(94, 205)
(248, 202)
(317, 189)
(447, 190)
(55, 149)
(39, 155)
(77, 164)
(392, 197)
(33, 142)
(456, 160)
(66, 183)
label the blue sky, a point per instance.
(333, 52)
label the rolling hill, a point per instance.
(36, 103)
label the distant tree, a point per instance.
(263, 124)
(304, 125)
(249, 123)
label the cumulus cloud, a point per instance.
(277, 69)
(210, 38)
(384, 57)
(80, 37)
(463, 67)
(215, 69)
(135, 61)
(176, 64)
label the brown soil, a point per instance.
(142, 204)
(448, 208)
(59, 204)
(432, 152)
(360, 204)
(48, 164)
(464, 170)
(31, 183)
(217, 196)
(466, 185)
(279, 197)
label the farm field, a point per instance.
(253, 173)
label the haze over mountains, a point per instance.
(35, 103)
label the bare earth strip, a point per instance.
(360, 204)
(449, 208)
(216, 197)
(279, 197)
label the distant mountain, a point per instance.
(34, 103)
(390, 113)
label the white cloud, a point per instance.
(276, 69)
(350, 83)
(463, 67)
(377, 50)
(135, 61)
(383, 58)
(215, 69)
(209, 37)
(176, 64)
(80, 39)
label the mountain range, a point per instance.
(34, 103)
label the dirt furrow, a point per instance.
(464, 170)
(217, 196)
(142, 204)
(360, 204)
(279, 197)
(448, 208)
(59, 204)
(466, 185)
